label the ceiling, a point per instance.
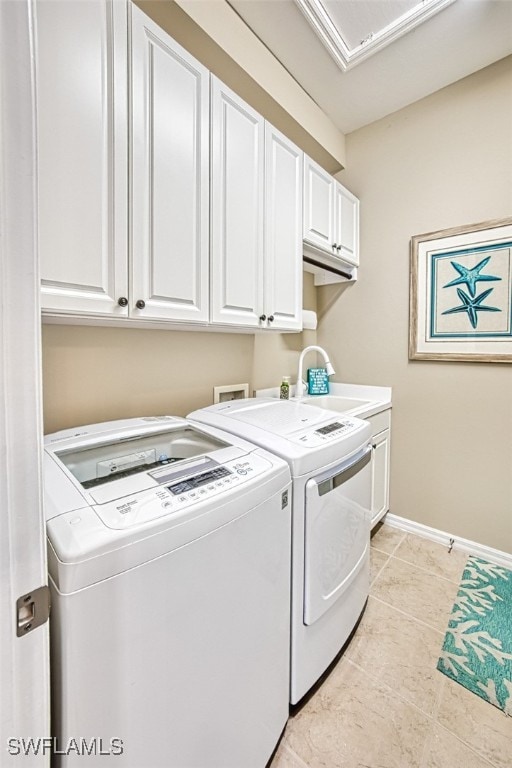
(461, 38)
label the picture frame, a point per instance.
(461, 294)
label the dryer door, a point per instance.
(337, 532)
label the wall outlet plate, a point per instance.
(230, 392)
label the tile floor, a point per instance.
(385, 705)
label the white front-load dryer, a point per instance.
(329, 457)
(169, 559)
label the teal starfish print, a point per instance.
(470, 276)
(472, 305)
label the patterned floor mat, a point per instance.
(477, 649)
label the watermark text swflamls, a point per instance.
(50, 745)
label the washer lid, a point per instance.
(103, 463)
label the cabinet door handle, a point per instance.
(122, 301)
(338, 247)
(334, 246)
(263, 318)
(271, 319)
(140, 304)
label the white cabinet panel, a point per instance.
(346, 235)
(170, 140)
(82, 155)
(237, 209)
(380, 475)
(381, 443)
(319, 188)
(283, 227)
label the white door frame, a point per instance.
(24, 661)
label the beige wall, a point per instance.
(442, 162)
(95, 374)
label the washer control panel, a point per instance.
(197, 481)
(185, 491)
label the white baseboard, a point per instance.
(441, 537)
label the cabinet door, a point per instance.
(237, 209)
(283, 232)
(380, 475)
(346, 234)
(319, 188)
(81, 73)
(170, 166)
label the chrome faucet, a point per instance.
(301, 384)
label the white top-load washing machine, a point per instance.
(169, 560)
(329, 457)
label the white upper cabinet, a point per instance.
(283, 228)
(83, 126)
(170, 178)
(82, 156)
(256, 244)
(163, 197)
(319, 189)
(237, 209)
(346, 217)
(331, 216)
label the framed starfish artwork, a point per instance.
(461, 294)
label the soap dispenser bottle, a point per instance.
(284, 390)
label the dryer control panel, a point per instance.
(327, 433)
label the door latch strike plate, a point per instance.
(32, 610)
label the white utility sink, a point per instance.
(359, 400)
(336, 402)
